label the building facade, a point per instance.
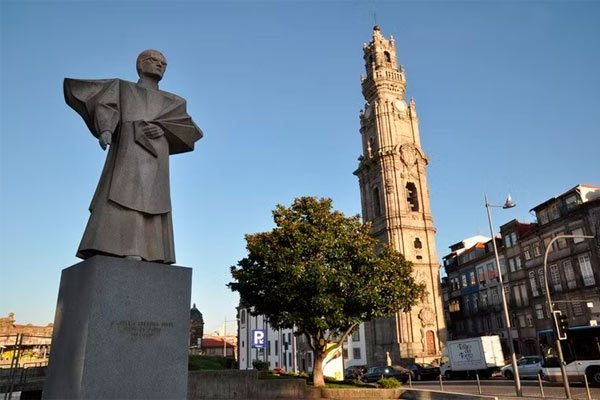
(286, 350)
(395, 199)
(573, 272)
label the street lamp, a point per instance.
(508, 204)
(563, 369)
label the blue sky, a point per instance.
(507, 95)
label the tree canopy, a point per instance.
(318, 271)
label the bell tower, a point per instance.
(395, 199)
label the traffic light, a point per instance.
(561, 324)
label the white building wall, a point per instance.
(282, 346)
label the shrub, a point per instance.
(260, 365)
(389, 383)
(200, 362)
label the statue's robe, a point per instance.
(131, 209)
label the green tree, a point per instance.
(319, 272)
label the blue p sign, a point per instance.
(258, 338)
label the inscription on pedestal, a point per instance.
(140, 329)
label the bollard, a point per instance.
(541, 386)
(410, 379)
(587, 387)
(441, 384)
(478, 383)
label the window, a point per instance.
(495, 297)
(524, 297)
(542, 216)
(276, 347)
(578, 309)
(499, 321)
(518, 263)
(533, 284)
(475, 302)
(513, 319)
(345, 353)
(376, 202)
(546, 243)
(541, 278)
(571, 202)
(527, 253)
(555, 278)
(491, 272)
(553, 212)
(537, 251)
(243, 316)
(517, 292)
(310, 359)
(289, 337)
(412, 196)
(513, 238)
(356, 353)
(529, 320)
(502, 266)
(586, 270)
(507, 292)
(388, 58)
(481, 274)
(284, 360)
(507, 241)
(539, 311)
(562, 242)
(522, 322)
(511, 263)
(484, 299)
(356, 335)
(578, 231)
(269, 347)
(472, 278)
(418, 244)
(569, 274)
(464, 280)
(290, 359)
(454, 305)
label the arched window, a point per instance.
(388, 58)
(376, 202)
(412, 196)
(418, 244)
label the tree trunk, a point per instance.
(318, 379)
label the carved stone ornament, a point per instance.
(426, 316)
(408, 154)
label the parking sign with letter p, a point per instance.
(258, 339)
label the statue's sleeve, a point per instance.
(96, 101)
(180, 130)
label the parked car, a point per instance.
(354, 372)
(529, 367)
(423, 371)
(374, 374)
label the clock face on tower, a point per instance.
(400, 105)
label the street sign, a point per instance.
(258, 339)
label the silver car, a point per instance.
(529, 367)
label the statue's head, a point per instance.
(151, 63)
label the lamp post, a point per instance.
(563, 368)
(509, 204)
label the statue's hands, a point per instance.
(105, 139)
(153, 131)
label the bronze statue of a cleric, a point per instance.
(142, 125)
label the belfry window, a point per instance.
(376, 202)
(388, 58)
(418, 244)
(412, 196)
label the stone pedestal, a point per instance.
(120, 331)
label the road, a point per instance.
(504, 389)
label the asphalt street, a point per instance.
(504, 389)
